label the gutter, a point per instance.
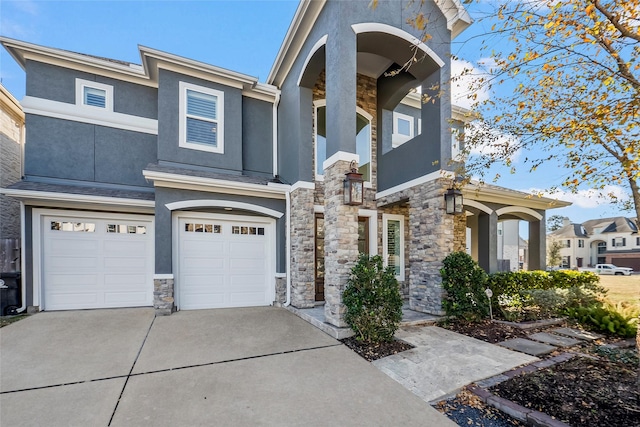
(23, 262)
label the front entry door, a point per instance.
(363, 247)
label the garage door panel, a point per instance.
(116, 299)
(69, 301)
(226, 269)
(79, 246)
(65, 264)
(67, 282)
(202, 264)
(199, 246)
(249, 263)
(247, 249)
(128, 264)
(98, 268)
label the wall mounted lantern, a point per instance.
(454, 202)
(353, 186)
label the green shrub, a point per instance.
(373, 301)
(607, 318)
(531, 295)
(464, 282)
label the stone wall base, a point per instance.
(163, 301)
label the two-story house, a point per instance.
(182, 185)
(599, 241)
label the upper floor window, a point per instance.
(581, 243)
(363, 140)
(619, 242)
(403, 129)
(201, 118)
(94, 94)
(566, 243)
(637, 241)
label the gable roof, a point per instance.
(619, 224)
(146, 74)
(570, 230)
(458, 19)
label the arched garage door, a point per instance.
(96, 260)
(225, 261)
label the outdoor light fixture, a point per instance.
(353, 186)
(453, 201)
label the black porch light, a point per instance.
(353, 186)
(454, 202)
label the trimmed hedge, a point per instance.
(464, 282)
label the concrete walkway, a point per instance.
(258, 366)
(443, 361)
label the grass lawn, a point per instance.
(622, 288)
(7, 320)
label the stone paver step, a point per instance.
(553, 339)
(526, 346)
(575, 333)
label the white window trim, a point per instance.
(385, 254)
(398, 139)
(184, 86)
(108, 102)
(363, 113)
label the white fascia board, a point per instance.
(462, 114)
(458, 19)
(413, 99)
(301, 25)
(510, 197)
(170, 180)
(417, 181)
(83, 114)
(21, 51)
(340, 156)
(76, 198)
(165, 60)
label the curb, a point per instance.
(519, 412)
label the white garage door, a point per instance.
(96, 262)
(224, 262)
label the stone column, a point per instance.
(302, 248)
(163, 294)
(537, 245)
(431, 239)
(340, 241)
(460, 233)
(488, 242)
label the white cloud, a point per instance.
(490, 142)
(464, 76)
(587, 199)
(14, 30)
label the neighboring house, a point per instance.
(599, 241)
(182, 185)
(11, 146)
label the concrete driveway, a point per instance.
(253, 366)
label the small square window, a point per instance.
(235, 230)
(260, 231)
(94, 95)
(403, 129)
(244, 230)
(208, 228)
(188, 227)
(217, 229)
(199, 228)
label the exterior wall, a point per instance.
(257, 137)
(11, 145)
(335, 20)
(163, 222)
(302, 248)
(169, 120)
(431, 239)
(67, 150)
(129, 98)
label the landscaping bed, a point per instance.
(372, 351)
(598, 389)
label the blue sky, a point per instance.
(240, 35)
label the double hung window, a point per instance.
(201, 118)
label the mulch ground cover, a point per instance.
(373, 352)
(598, 390)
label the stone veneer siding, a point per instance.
(163, 296)
(460, 233)
(340, 242)
(302, 248)
(281, 291)
(11, 134)
(431, 239)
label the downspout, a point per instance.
(23, 269)
(287, 239)
(288, 251)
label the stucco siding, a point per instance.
(257, 136)
(169, 122)
(63, 149)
